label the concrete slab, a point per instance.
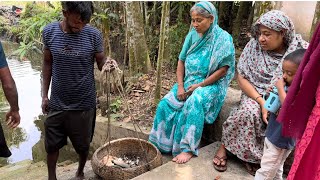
(68, 172)
(117, 130)
(199, 168)
(213, 132)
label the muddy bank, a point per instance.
(9, 18)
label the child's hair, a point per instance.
(295, 56)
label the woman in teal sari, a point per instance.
(205, 68)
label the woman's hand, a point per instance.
(264, 111)
(193, 87)
(269, 90)
(181, 93)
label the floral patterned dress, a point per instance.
(243, 131)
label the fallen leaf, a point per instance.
(147, 88)
(127, 119)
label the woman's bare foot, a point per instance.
(220, 153)
(182, 157)
(174, 159)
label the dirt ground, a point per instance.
(137, 102)
(139, 97)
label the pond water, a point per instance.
(26, 141)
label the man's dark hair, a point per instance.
(295, 56)
(84, 8)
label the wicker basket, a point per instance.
(121, 147)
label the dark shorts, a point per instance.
(77, 125)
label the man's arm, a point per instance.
(46, 79)
(100, 59)
(11, 93)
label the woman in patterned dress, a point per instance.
(259, 67)
(205, 69)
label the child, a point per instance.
(276, 147)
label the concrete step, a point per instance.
(199, 168)
(69, 171)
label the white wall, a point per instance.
(301, 13)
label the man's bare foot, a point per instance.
(79, 176)
(220, 153)
(183, 157)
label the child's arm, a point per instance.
(281, 92)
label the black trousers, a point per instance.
(4, 150)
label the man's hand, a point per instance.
(109, 65)
(13, 118)
(45, 105)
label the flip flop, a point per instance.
(220, 168)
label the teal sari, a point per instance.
(178, 125)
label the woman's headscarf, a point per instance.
(264, 68)
(300, 99)
(216, 38)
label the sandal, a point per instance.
(220, 168)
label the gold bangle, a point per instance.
(257, 97)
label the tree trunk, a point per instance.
(241, 15)
(233, 15)
(250, 18)
(137, 39)
(154, 12)
(266, 6)
(146, 18)
(165, 17)
(225, 9)
(166, 54)
(278, 5)
(104, 25)
(132, 63)
(256, 11)
(316, 18)
(126, 38)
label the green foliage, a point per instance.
(177, 34)
(98, 18)
(115, 105)
(15, 137)
(33, 20)
(181, 9)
